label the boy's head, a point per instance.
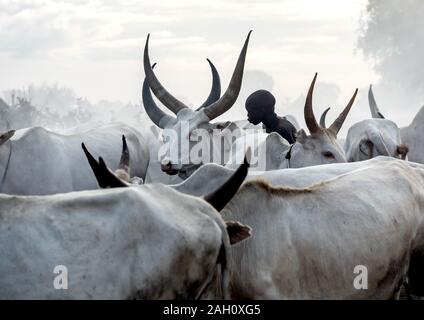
(258, 105)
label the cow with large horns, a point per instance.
(374, 137)
(320, 147)
(187, 122)
(383, 226)
(119, 229)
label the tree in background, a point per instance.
(56, 108)
(392, 37)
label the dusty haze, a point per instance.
(94, 49)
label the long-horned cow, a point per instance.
(154, 171)
(374, 137)
(311, 242)
(274, 152)
(119, 250)
(189, 127)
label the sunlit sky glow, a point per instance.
(95, 47)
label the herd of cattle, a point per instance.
(128, 220)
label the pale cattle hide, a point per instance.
(148, 242)
(36, 161)
(374, 137)
(154, 172)
(216, 175)
(308, 243)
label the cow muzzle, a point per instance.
(167, 167)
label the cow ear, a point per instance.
(237, 232)
(6, 136)
(365, 147)
(402, 150)
(301, 136)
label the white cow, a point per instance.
(274, 152)
(154, 173)
(375, 236)
(148, 242)
(374, 137)
(36, 161)
(311, 243)
(216, 175)
(191, 126)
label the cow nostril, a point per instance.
(166, 162)
(166, 165)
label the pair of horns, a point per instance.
(213, 106)
(310, 119)
(375, 112)
(220, 197)
(159, 117)
(105, 177)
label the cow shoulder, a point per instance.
(276, 148)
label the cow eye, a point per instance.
(328, 155)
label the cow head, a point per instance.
(374, 137)
(375, 112)
(320, 147)
(370, 138)
(189, 128)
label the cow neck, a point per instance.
(7, 165)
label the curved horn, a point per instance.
(375, 113)
(230, 96)
(124, 163)
(215, 92)
(322, 119)
(220, 197)
(158, 117)
(160, 92)
(337, 124)
(310, 119)
(6, 136)
(112, 181)
(105, 178)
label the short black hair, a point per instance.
(261, 99)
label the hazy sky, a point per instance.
(95, 47)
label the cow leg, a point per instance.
(415, 273)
